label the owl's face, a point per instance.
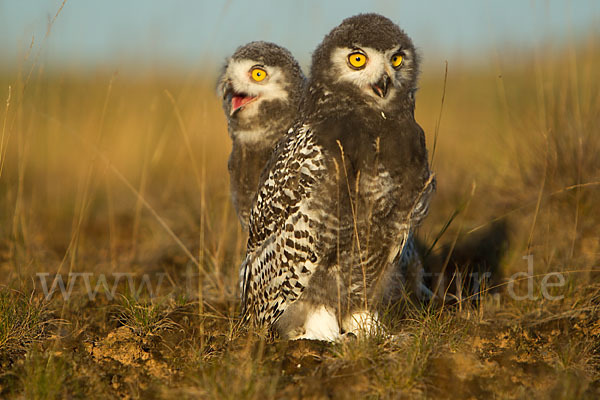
(247, 83)
(368, 59)
(378, 74)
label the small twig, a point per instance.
(439, 120)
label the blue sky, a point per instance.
(193, 34)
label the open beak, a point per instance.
(237, 101)
(381, 87)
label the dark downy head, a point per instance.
(369, 58)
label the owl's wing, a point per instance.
(281, 254)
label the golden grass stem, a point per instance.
(3, 144)
(439, 119)
(453, 244)
(539, 199)
(186, 139)
(355, 223)
(137, 214)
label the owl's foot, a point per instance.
(320, 324)
(362, 323)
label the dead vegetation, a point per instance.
(25, 320)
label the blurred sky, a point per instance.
(197, 34)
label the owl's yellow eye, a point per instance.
(357, 60)
(258, 74)
(396, 60)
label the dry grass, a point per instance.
(113, 173)
(144, 319)
(24, 321)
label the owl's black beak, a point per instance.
(227, 92)
(381, 87)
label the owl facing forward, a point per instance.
(261, 86)
(341, 194)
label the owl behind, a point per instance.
(261, 86)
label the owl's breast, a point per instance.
(377, 191)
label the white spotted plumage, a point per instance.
(271, 278)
